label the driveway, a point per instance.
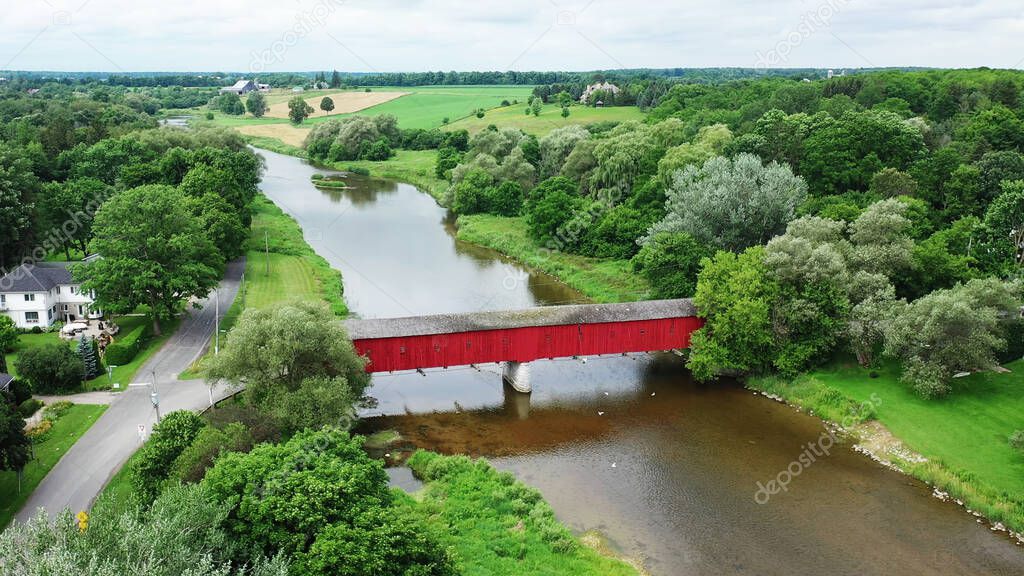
(81, 474)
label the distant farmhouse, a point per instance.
(606, 87)
(44, 293)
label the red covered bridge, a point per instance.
(519, 336)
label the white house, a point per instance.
(44, 293)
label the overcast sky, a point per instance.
(417, 35)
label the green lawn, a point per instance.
(65, 432)
(966, 430)
(123, 375)
(550, 118)
(602, 280)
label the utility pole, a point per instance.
(216, 322)
(155, 398)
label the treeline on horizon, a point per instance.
(450, 78)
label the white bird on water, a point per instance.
(613, 464)
(599, 413)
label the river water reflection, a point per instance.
(629, 445)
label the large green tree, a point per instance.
(156, 252)
(256, 104)
(15, 446)
(51, 368)
(274, 352)
(732, 204)
(298, 110)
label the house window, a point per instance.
(74, 289)
(30, 297)
(58, 289)
(65, 307)
(32, 317)
(49, 314)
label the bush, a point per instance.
(39, 432)
(152, 464)
(29, 407)
(51, 368)
(190, 466)
(54, 411)
(124, 349)
(670, 261)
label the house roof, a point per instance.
(241, 84)
(361, 329)
(39, 277)
(5, 380)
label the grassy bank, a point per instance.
(497, 525)
(290, 272)
(66, 430)
(415, 167)
(601, 280)
(963, 437)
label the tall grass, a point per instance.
(497, 525)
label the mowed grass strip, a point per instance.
(65, 432)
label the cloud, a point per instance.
(414, 35)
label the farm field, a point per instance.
(420, 107)
(345, 102)
(549, 119)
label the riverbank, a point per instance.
(498, 525)
(958, 445)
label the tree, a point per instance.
(230, 103)
(890, 183)
(275, 351)
(320, 498)
(155, 252)
(15, 446)
(671, 262)
(869, 321)
(952, 331)
(181, 533)
(735, 295)
(881, 239)
(551, 204)
(535, 108)
(87, 354)
(51, 368)
(1005, 217)
(256, 104)
(298, 110)
(335, 80)
(327, 104)
(152, 465)
(565, 112)
(731, 204)
(8, 335)
(469, 196)
(18, 185)
(556, 147)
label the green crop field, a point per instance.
(550, 118)
(422, 107)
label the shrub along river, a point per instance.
(668, 469)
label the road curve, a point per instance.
(81, 474)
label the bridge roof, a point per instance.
(362, 329)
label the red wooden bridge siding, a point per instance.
(525, 344)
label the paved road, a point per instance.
(81, 474)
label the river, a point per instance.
(666, 468)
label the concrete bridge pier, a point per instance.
(516, 404)
(517, 374)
